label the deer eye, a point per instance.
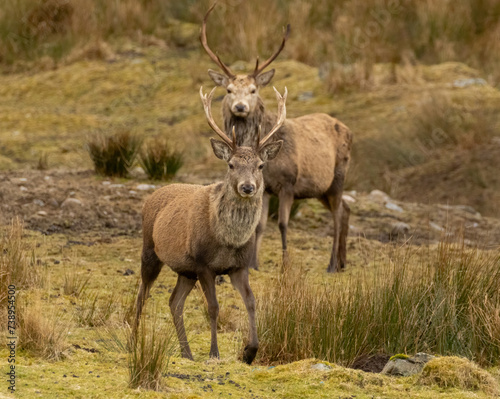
(261, 166)
(253, 91)
(231, 166)
(229, 91)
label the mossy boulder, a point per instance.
(403, 366)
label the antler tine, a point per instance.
(207, 105)
(281, 116)
(204, 43)
(258, 69)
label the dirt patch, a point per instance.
(371, 363)
(56, 202)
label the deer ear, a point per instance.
(270, 150)
(218, 78)
(221, 149)
(264, 78)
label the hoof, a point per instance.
(249, 354)
(331, 269)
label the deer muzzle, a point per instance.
(247, 189)
(240, 109)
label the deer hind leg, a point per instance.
(239, 279)
(259, 231)
(177, 299)
(334, 198)
(285, 206)
(150, 269)
(344, 230)
(207, 281)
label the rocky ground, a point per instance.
(77, 202)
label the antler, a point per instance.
(258, 69)
(281, 117)
(207, 105)
(214, 57)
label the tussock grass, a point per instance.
(455, 372)
(113, 155)
(18, 262)
(74, 283)
(150, 354)
(447, 305)
(159, 161)
(40, 332)
(43, 162)
(94, 309)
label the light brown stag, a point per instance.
(201, 232)
(312, 163)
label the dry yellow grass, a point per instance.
(334, 35)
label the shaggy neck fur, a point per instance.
(247, 129)
(233, 218)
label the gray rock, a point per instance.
(38, 202)
(469, 82)
(145, 187)
(71, 203)
(405, 367)
(138, 172)
(19, 181)
(436, 226)
(393, 207)
(467, 208)
(348, 198)
(377, 195)
(321, 367)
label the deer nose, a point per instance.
(248, 188)
(240, 108)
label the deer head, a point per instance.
(245, 163)
(242, 90)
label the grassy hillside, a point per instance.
(413, 121)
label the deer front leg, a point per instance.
(181, 291)
(259, 231)
(207, 281)
(285, 197)
(239, 279)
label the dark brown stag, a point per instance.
(313, 161)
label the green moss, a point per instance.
(399, 356)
